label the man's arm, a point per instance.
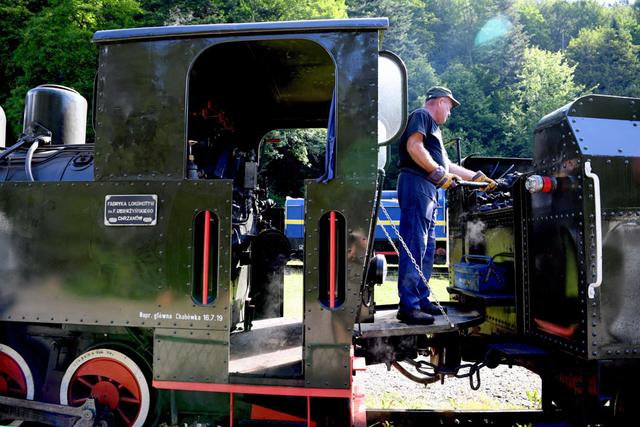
(422, 157)
(419, 154)
(462, 172)
(469, 175)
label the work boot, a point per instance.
(415, 317)
(431, 308)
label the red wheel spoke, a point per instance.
(113, 380)
(129, 400)
(13, 374)
(82, 380)
(124, 417)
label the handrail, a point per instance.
(598, 217)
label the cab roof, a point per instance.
(181, 31)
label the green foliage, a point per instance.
(182, 12)
(606, 59)
(56, 46)
(474, 120)
(407, 38)
(410, 37)
(298, 156)
(421, 77)
(545, 84)
(282, 10)
(13, 15)
(534, 397)
(553, 23)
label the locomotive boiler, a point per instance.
(142, 273)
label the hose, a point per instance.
(420, 380)
(29, 158)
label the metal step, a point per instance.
(386, 324)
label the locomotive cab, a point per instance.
(170, 247)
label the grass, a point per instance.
(386, 293)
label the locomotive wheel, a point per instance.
(16, 379)
(113, 380)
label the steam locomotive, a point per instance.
(142, 276)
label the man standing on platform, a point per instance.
(424, 167)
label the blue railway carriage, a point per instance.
(294, 228)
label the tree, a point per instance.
(56, 46)
(181, 12)
(546, 83)
(561, 20)
(408, 36)
(286, 164)
(421, 76)
(606, 59)
(498, 60)
(534, 23)
(13, 15)
(474, 121)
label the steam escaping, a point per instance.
(475, 232)
(273, 299)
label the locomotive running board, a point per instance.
(386, 324)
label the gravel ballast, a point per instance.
(500, 388)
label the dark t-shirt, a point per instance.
(421, 121)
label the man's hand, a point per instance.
(481, 177)
(443, 179)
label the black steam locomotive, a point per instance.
(142, 276)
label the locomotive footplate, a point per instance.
(386, 324)
(271, 349)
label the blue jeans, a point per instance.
(417, 200)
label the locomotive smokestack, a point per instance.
(60, 109)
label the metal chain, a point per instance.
(470, 370)
(413, 260)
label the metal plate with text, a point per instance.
(130, 209)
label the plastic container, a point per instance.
(479, 273)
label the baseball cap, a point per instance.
(440, 91)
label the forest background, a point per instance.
(509, 62)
